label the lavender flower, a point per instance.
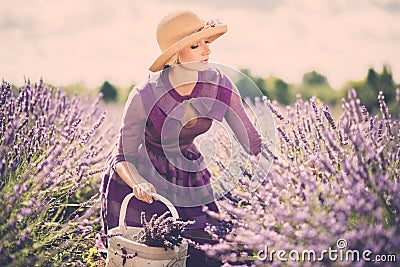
(162, 231)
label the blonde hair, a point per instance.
(173, 61)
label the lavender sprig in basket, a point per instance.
(162, 231)
(159, 242)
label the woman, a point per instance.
(155, 150)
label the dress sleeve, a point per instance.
(131, 133)
(240, 123)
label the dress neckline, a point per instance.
(171, 90)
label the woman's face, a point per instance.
(198, 52)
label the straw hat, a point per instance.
(180, 29)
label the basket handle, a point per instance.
(124, 207)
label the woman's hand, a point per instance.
(142, 192)
(129, 174)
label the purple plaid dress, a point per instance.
(152, 116)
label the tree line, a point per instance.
(313, 84)
(316, 84)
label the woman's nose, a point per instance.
(206, 48)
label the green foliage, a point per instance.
(272, 87)
(282, 92)
(368, 89)
(124, 93)
(80, 89)
(316, 84)
(314, 78)
(246, 85)
(109, 92)
(279, 90)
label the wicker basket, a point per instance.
(123, 251)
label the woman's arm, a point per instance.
(124, 155)
(129, 174)
(240, 123)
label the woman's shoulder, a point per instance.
(216, 74)
(136, 92)
(142, 85)
(141, 88)
(150, 85)
(146, 93)
(212, 73)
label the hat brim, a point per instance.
(210, 33)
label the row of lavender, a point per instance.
(51, 147)
(333, 185)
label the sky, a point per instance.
(70, 42)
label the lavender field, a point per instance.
(333, 183)
(52, 150)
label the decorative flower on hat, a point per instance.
(212, 23)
